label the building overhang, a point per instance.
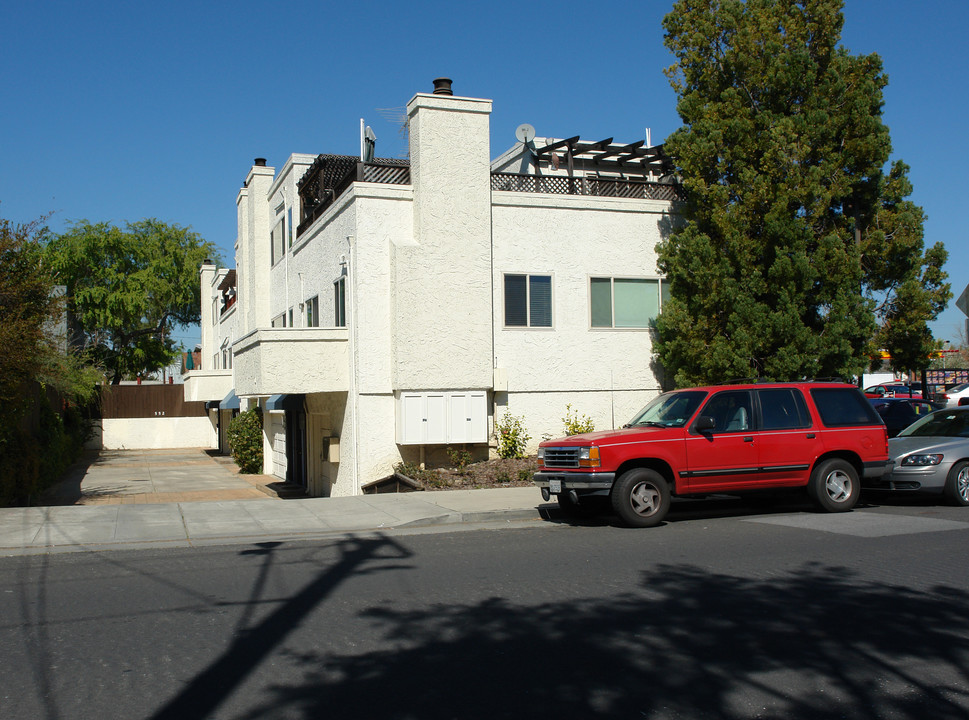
(291, 361)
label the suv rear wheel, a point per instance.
(641, 497)
(834, 485)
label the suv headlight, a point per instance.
(541, 454)
(589, 457)
(920, 460)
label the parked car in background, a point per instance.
(893, 390)
(820, 436)
(957, 395)
(898, 413)
(931, 455)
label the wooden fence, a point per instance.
(147, 401)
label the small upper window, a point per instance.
(340, 302)
(278, 247)
(313, 312)
(528, 300)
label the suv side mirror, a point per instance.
(704, 423)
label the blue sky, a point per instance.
(119, 111)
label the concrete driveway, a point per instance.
(114, 477)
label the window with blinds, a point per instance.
(528, 300)
(624, 302)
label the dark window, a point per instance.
(528, 300)
(340, 302)
(843, 407)
(782, 409)
(313, 312)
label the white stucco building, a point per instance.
(383, 311)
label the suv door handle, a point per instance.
(748, 438)
(810, 436)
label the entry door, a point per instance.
(296, 447)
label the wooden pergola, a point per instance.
(607, 155)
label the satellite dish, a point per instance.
(525, 133)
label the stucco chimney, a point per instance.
(451, 181)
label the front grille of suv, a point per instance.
(562, 457)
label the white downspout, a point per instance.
(351, 300)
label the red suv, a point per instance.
(818, 435)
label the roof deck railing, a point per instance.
(585, 185)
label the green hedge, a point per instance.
(245, 441)
(31, 460)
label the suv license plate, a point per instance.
(555, 486)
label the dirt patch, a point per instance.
(486, 474)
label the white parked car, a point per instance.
(957, 393)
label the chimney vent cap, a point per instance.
(442, 86)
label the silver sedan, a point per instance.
(932, 455)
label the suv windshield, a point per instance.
(943, 423)
(669, 410)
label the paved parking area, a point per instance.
(124, 477)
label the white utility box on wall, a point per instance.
(439, 418)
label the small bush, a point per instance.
(525, 475)
(512, 438)
(459, 458)
(245, 441)
(576, 424)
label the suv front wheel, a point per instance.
(641, 497)
(834, 485)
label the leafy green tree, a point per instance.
(906, 281)
(128, 289)
(28, 306)
(783, 253)
(37, 441)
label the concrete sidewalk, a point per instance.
(133, 500)
(185, 524)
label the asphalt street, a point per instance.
(729, 610)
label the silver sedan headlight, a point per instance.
(922, 460)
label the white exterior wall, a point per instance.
(328, 415)
(442, 298)
(207, 277)
(314, 263)
(158, 433)
(604, 373)
(283, 204)
(274, 426)
(253, 249)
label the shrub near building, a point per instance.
(245, 441)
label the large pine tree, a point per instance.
(796, 243)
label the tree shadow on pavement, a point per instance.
(67, 490)
(252, 645)
(815, 642)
